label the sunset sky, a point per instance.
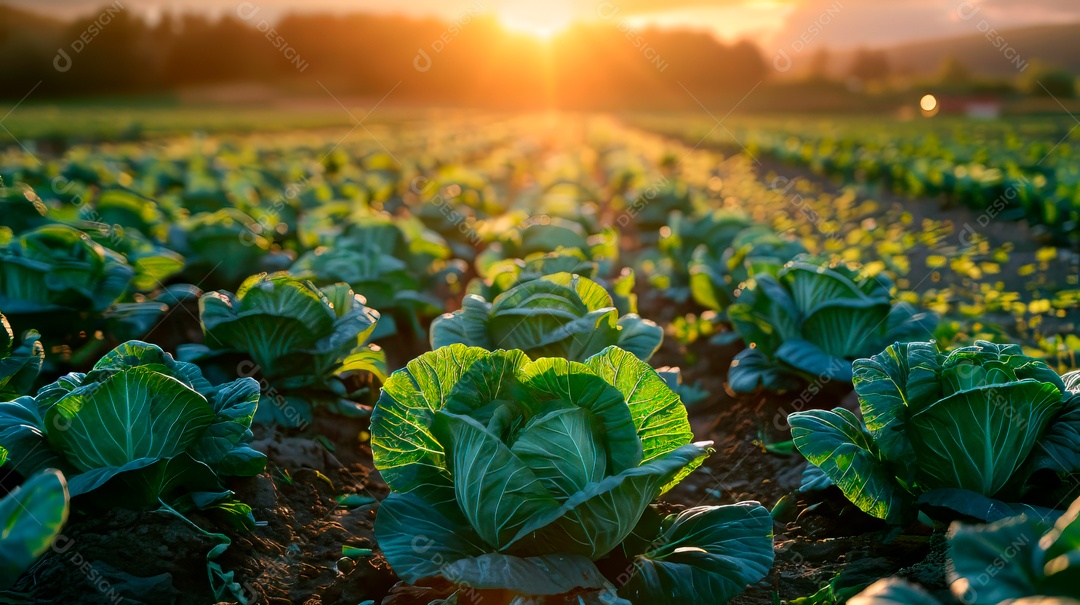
(836, 23)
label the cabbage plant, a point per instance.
(22, 208)
(305, 343)
(454, 204)
(57, 267)
(1022, 560)
(131, 211)
(140, 429)
(224, 247)
(506, 274)
(668, 264)
(970, 431)
(543, 234)
(57, 279)
(652, 210)
(19, 365)
(716, 272)
(31, 515)
(804, 322)
(1045, 559)
(392, 262)
(560, 315)
(153, 263)
(515, 475)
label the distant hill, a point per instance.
(1055, 44)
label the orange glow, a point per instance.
(540, 19)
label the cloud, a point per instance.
(778, 23)
(848, 23)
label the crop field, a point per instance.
(509, 358)
(1013, 169)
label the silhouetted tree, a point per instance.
(473, 60)
(1043, 80)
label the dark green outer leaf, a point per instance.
(752, 370)
(224, 444)
(838, 443)
(466, 326)
(765, 314)
(642, 337)
(1062, 554)
(706, 555)
(814, 479)
(908, 324)
(31, 516)
(420, 534)
(48, 395)
(352, 326)
(977, 439)
(813, 362)
(892, 384)
(1057, 447)
(145, 483)
(708, 286)
(88, 481)
(530, 576)
(22, 434)
(20, 368)
(134, 414)
(978, 506)
(975, 550)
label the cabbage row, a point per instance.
(496, 324)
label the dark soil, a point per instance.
(123, 557)
(297, 556)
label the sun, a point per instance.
(540, 18)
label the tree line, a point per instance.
(472, 60)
